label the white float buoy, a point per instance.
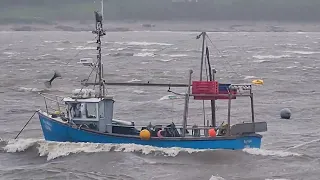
(285, 113)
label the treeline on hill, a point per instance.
(46, 11)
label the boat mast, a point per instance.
(100, 32)
(203, 34)
(212, 76)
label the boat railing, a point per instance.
(195, 129)
(52, 102)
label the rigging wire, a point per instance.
(87, 78)
(85, 45)
(225, 59)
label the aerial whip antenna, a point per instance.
(102, 9)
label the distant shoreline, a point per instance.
(210, 26)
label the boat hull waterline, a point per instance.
(54, 130)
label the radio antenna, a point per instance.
(102, 9)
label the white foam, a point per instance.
(61, 41)
(270, 56)
(216, 178)
(51, 41)
(303, 144)
(60, 49)
(59, 149)
(286, 44)
(144, 54)
(174, 55)
(138, 92)
(26, 89)
(134, 80)
(85, 48)
(10, 53)
(263, 152)
(143, 43)
(45, 55)
(178, 55)
(165, 60)
(121, 54)
(170, 96)
(149, 50)
(249, 77)
(304, 52)
(261, 61)
(290, 67)
(19, 145)
(117, 49)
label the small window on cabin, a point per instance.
(101, 110)
(75, 110)
(91, 110)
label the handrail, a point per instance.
(51, 94)
(58, 103)
(41, 94)
(223, 95)
(162, 126)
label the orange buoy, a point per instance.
(145, 134)
(212, 132)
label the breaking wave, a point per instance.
(134, 80)
(261, 61)
(175, 55)
(62, 41)
(134, 43)
(263, 152)
(270, 56)
(127, 54)
(60, 49)
(303, 52)
(144, 54)
(168, 97)
(26, 89)
(216, 178)
(53, 150)
(85, 48)
(249, 77)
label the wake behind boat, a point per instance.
(88, 113)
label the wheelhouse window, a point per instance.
(91, 110)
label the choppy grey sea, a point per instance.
(288, 62)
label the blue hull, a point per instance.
(54, 130)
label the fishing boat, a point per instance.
(87, 115)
